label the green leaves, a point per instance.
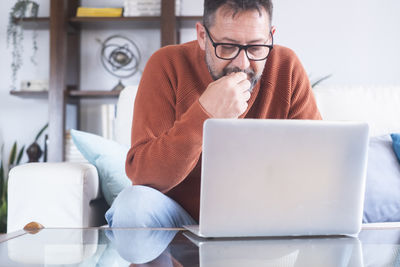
(3, 195)
(20, 154)
(13, 154)
(3, 217)
(41, 132)
(2, 183)
(315, 83)
(15, 34)
(13, 160)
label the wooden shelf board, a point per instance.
(129, 19)
(108, 23)
(46, 20)
(33, 23)
(30, 94)
(37, 19)
(93, 94)
(113, 19)
(190, 18)
(70, 93)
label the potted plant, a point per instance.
(34, 151)
(15, 35)
(13, 160)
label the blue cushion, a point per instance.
(108, 157)
(382, 195)
(396, 144)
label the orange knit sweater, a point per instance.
(168, 118)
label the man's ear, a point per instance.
(273, 29)
(201, 35)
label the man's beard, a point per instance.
(251, 75)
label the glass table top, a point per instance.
(175, 247)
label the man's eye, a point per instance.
(227, 48)
(255, 49)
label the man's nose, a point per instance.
(241, 61)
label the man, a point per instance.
(231, 71)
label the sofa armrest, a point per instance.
(55, 195)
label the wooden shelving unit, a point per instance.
(64, 29)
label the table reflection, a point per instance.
(143, 246)
(154, 248)
(381, 247)
(161, 247)
(333, 251)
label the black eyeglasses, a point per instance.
(228, 51)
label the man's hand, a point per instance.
(227, 97)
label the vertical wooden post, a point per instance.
(73, 61)
(64, 69)
(168, 23)
(57, 81)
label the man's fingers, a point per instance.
(237, 76)
(243, 107)
(246, 96)
(244, 85)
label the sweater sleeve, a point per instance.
(302, 101)
(165, 149)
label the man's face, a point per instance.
(245, 28)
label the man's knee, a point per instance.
(137, 206)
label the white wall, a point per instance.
(21, 119)
(356, 41)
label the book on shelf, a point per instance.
(108, 112)
(146, 8)
(98, 12)
(71, 152)
(106, 129)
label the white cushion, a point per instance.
(123, 121)
(52, 194)
(378, 106)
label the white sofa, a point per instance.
(64, 194)
(68, 195)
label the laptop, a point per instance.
(282, 178)
(290, 252)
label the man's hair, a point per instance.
(211, 6)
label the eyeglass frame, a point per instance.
(241, 47)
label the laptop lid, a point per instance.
(282, 177)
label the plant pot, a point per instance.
(31, 9)
(34, 152)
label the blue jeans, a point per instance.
(142, 206)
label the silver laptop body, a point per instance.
(282, 178)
